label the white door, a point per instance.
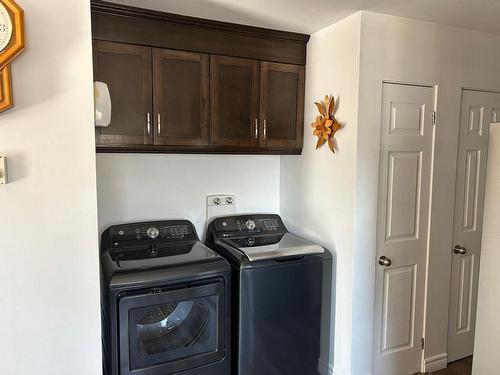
(403, 227)
(478, 110)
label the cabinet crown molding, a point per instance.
(124, 10)
(121, 23)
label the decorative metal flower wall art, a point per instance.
(326, 125)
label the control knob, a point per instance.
(250, 224)
(153, 232)
(250, 241)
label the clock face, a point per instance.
(5, 27)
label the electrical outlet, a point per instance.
(220, 200)
(3, 170)
(220, 205)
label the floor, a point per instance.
(462, 367)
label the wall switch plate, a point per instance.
(220, 205)
(3, 170)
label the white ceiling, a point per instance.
(308, 16)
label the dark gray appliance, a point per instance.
(281, 296)
(165, 301)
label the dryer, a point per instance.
(282, 288)
(165, 301)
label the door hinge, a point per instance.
(422, 343)
(434, 114)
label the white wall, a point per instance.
(486, 359)
(49, 294)
(317, 188)
(333, 199)
(150, 187)
(410, 51)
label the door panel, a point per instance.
(405, 175)
(399, 308)
(466, 280)
(478, 109)
(407, 118)
(472, 171)
(282, 105)
(126, 69)
(495, 117)
(180, 98)
(475, 120)
(234, 102)
(403, 226)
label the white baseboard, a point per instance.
(438, 362)
(332, 371)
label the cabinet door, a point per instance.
(126, 69)
(234, 102)
(282, 106)
(180, 98)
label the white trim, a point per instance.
(326, 368)
(323, 367)
(332, 371)
(438, 362)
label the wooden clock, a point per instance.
(11, 44)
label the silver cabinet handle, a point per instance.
(159, 123)
(256, 128)
(384, 261)
(265, 128)
(460, 250)
(149, 123)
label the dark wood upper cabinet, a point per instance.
(281, 105)
(181, 91)
(234, 102)
(187, 85)
(126, 69)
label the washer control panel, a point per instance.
(151, 232)
(248, 225)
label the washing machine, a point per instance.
(281, 296)
(165, 301)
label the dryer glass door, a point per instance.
(172, 330)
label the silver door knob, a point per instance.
(384, 261)
(460, 250)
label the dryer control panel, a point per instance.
(152, 232)
(249, 225)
